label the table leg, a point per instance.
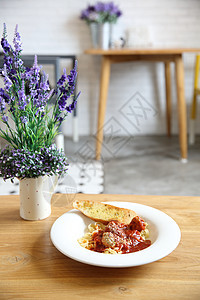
(104, 83)
(168, 96)
(181, 106)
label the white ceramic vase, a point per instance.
(111, 35)
(104, 36)
(35, 197)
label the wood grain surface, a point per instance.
(142, 51)
(32, 268)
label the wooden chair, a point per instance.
(196, 92)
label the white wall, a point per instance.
(53, 27)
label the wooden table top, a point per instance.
(148, 51)
(32, 268)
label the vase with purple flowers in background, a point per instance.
(101, 17)
(30, 154)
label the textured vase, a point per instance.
(35, 197)
(94, 29)
(100, 34)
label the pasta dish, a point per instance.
(116, 237)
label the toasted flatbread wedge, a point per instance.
(104, 213)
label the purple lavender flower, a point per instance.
(11, 58)
(63, 78)
(22, 99)
(5, 118)
(24, 119)
(62, 102)
(100, 6)
(44, 83)
(8, 61)
(88, 13)
(71, 106)
(91, 8)
(101, 12)
(7, 81)
(118, 13)
(5, 96)
(73, 75)
(23, 163)
(84, 14)
(17, 41)
(33, 75)
(38, 86)
(50, 94)
(5, 45)
(66, 92)
(17, 50)
(2, 104)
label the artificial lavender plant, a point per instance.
(25, 99)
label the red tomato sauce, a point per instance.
(124, 238)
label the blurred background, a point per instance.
(146, 162)
(54, 27)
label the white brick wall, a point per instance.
(53, 27)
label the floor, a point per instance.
(142, 165)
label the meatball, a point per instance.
(108, 239)
(137, 224)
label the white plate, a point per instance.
(164, 235)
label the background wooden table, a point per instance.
(166, 56)
(32, 268)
